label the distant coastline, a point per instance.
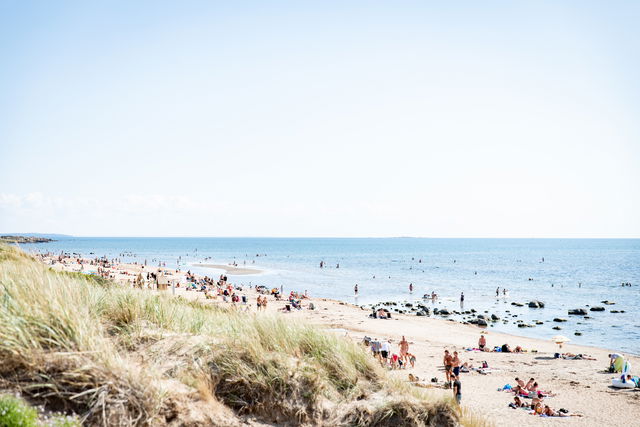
(24, 239)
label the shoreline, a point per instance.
(231, 269)
(581, 386)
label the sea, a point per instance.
(562, 273)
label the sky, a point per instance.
(360, 118)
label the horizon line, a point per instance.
(313, 237)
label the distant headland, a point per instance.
(24, 239)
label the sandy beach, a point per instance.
(231, 269)
(581, 386)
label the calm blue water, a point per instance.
(481, 265)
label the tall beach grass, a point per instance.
(120, 356)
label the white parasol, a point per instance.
(560, 339)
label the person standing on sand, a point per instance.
(455, 364)
(404, 350)
(446, 361)
(355, 289)
(457, 388)
(461, 296)
(498, 292)
(410, 287)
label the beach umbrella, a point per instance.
(560, 339)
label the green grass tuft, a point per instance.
(15, 412)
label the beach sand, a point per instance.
(581, 386)
(231, 270)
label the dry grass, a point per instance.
(119, 356)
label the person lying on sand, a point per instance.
(551, 413)
(579, 356)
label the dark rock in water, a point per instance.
(557, 328)
(494, 317)
(539, 323)
(578, 312)
(486, 311)
(559, 319)
(472, 310)
(482, 322)
(408, 304)
(596, 309)
(436, 310)
(420, 313)
(482, 316)
(473, 321)
(621, 311)
(444, 312)
(519, 304)
(607, 302)
(536, 304)
(524, 325)
(577, 333)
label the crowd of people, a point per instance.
(382, 350)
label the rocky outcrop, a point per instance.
(578, 312)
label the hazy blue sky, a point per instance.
(456, 119)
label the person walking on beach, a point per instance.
(385, 348)
(355, 289)
(457, 388)
(410, 287)
(461, 297)
(497, 291)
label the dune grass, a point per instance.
(120, 356)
